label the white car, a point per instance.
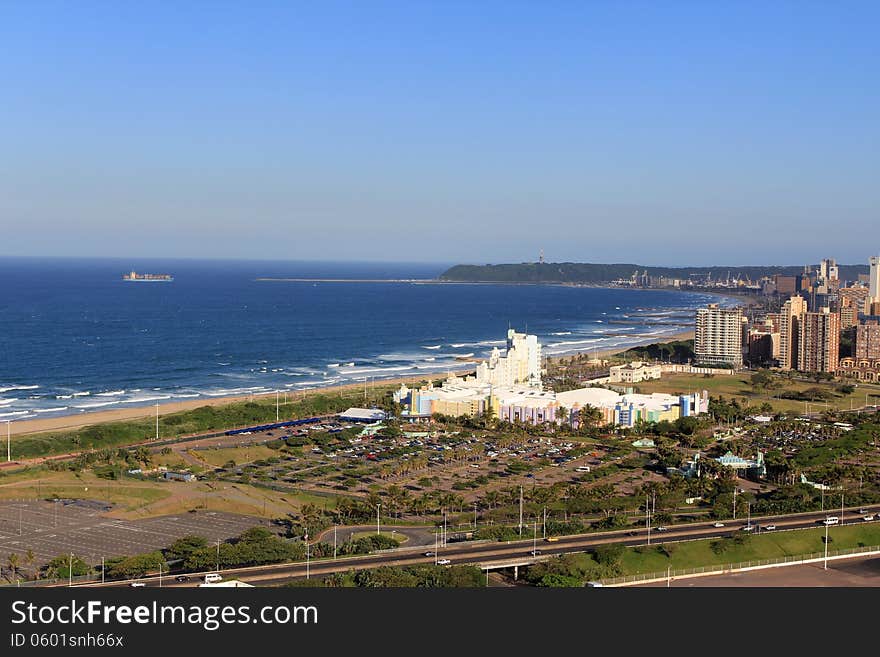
(137, 584)
(747, 528)
(444, 562)
(868, 518)
(769, 528)
(718, 524)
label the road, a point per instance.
(495, 555)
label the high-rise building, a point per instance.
(867, 339)
(718, 337)
(792, 313)
(819, 342)
(520, 365)
(855, 296)
(785, 284)
(874, 279)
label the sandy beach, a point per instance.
(67, 422)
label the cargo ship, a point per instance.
(147, 278)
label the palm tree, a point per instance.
(491, 499)
(29, 558)
(589, 416)
(13, 560)
(563, 415)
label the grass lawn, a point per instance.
(241, 455)
(739, 386)
(772, 545)
(400, 538)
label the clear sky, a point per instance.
(651, 132)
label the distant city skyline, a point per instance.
(660, 134)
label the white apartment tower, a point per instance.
(718, 336)
(874, 280)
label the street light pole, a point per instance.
(826, 546)
(520, 509)
(157, 420)
(377, 517)
(218, 555)
(8, 442)
(334, 542)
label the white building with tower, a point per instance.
(520, 365)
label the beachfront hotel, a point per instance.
(508, 388)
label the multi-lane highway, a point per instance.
(496, 555)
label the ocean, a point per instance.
(75, 337)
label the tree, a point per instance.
(589, 417)
(13, 561)
(183, 547)
(563, 415)
(59, 567)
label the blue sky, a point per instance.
(651, 132)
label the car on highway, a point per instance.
(551, 539)
(182, 578)
(444, 562)
(429, 554)
(136, 585)
(661, 528)
(747, 528)
(768, 528)
(868, 518)
(211, 578)
(863, 511)
(535, 553)
(831, 520)
(718, 524)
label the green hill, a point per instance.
(594, 273)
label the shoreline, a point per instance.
(70, 422)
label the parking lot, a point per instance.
(50, 529)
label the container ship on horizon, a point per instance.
(147, 278)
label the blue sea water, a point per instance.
(74, 337)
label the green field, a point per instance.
(772, 545)
(400, 538)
